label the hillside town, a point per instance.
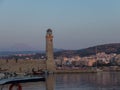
(100, 60)
(103, 61)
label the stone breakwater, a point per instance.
(21, 66)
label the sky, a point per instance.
(76, 24)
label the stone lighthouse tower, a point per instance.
(49, 52)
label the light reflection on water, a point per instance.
(89, 81)
(82, 81)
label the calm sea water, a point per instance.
(83, 81)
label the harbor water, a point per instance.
(81, 81)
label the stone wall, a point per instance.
(22, 65)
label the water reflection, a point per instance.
(88, 81)
(50, 82)
(81, 81)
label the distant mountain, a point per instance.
(8, 53)
(107, 48)
(58, 50)
(18, 48)
(21, 47)
(24, 51)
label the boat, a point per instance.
(21, 80)
(39, 72)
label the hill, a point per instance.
(107, 48)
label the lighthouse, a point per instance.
(50, 64)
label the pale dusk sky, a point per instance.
(76, 24)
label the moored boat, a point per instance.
(21, 79)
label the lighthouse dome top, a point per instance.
(49, 30)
